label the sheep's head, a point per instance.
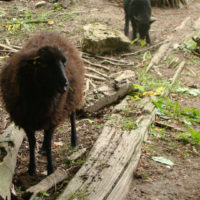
(48, 67)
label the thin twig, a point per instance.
(4, 57)
(94, 77)
(7, 47)
(142, 50)
(96, 65)
(178, 72)
(7, 41)
(105, 58)
(87, 85)
(92, 84)
(7, 51)
(175, 77)
(168, 126)
(93, 70)
(118, 64)
(29, 22)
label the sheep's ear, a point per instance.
(34, 61)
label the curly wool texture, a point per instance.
(30, 106)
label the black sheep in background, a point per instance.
(139, 13)
(41, 86)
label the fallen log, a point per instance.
(163, 51)
(112, 160)
(107, 94)
(47, 183)
(10, 142)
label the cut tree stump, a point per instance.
(10, 142)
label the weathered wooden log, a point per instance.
(10, 142)
(106, 95)
(163, 51)
(109, 169)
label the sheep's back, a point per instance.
(52, 111)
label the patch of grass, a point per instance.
(79, 194)
(189, 45)
(150, 82)
(187, 116)
(165, 106)
(27, 20)
(128, 124)
(149, 148)
(144, 176)
(192, 136)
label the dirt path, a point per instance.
(152, 180)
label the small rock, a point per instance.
(99, 39)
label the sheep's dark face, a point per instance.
(51, 74)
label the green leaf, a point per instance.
(134, 41)
(190, 44)
(185, 121)
(143, 43)
(192, 92)
(90, 121)
(139, 87)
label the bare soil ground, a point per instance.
(152, 180)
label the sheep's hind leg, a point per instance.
(32, 142)
(73, 129)
(47, 146)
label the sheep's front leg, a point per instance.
(47, 146)
(126, 26)
(32, 142)
(73, 129)
(134, 27)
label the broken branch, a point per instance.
(96, 65)
(87, 55)
(94, 77)
(143, 50)
(93, 70)
(9, 48)
(49, 182)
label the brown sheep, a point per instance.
(41, 86)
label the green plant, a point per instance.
(149, 82)
(144, 176)
(189, 45)
(191, 137)
(79, 194)
(134, 41)
(127, 124)
(76, 162)
(166, 106)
